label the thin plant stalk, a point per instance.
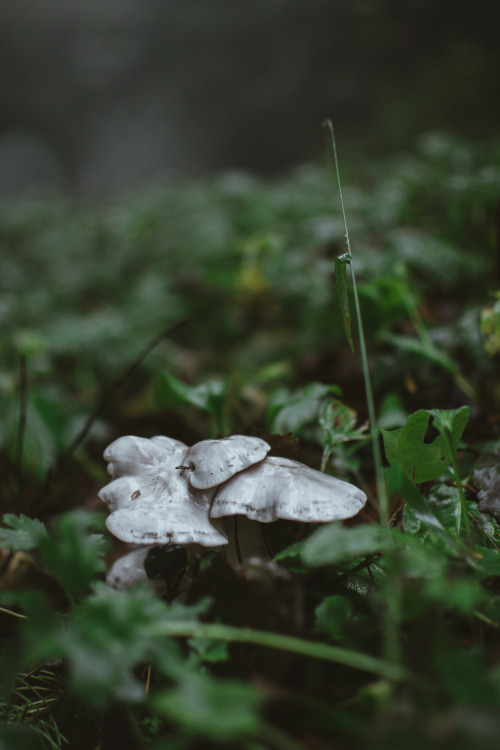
(220, 632)
(463, 521)
(391, 641)
(374, 429)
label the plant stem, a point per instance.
(463, 520)
(219, 632)
(374, 429)
(391, 644)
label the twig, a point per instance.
(110, 393)
(21, 425)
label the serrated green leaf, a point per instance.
(24, 533)
(73, 555)
(109, 635)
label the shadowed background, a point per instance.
(98, 97)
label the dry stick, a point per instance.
(21, 425)
(106, 398)
(109, 394)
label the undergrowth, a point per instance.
(209, 308)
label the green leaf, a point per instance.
(421, 461)
(398, 483)
(293, 412)
(203, 706)
(109, 636)
(338, 422)
(490, 327)
(340, 282)
(333, 616)
(209, 396)
(423, 347)
(207, 650)
(333, 544)
(24, 533)
(72, 555)
(206, 396)
(452, 421)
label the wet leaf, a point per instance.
(333, 544)
(422, 461)
(340, 282)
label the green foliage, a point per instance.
(340, 280)
(294, 412)
(422, 461)
(205, 707)
(335, 544)
(209, 397)
(24, 533)
(366, 635)
(73, 555)
(490, 327)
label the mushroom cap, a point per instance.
(127, 454)
(282, 488)
(151, 498)
(212, 462)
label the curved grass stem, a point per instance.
(220, 632)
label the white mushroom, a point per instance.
(282, 488)
(151, 500)
(212, 462)
(164, 492)
(129, 569)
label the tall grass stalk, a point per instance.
(374, 429)
(392, 586)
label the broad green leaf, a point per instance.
(333, 544)
(421, 461)
(452, 421)
(398, 483)
(24, 533)
(340, 281)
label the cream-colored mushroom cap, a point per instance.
(151, 498)
(212, 462)
(282, 488)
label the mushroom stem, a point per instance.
(245, 540)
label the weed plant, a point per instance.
(208, 308)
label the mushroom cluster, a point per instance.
(165, 492)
